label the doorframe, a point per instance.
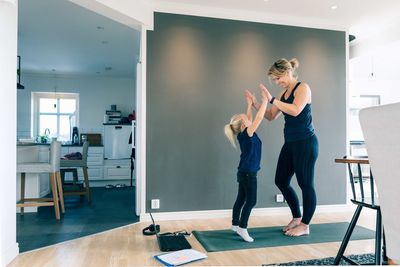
(141, 125)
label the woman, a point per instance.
(243, 128)
(300, 150)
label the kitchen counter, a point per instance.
(66, 144)
(69, 144)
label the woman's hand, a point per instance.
(265, 93)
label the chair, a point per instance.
(68, 165)
(53, 168)
(381, 127)
(363, 196)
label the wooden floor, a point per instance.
(126, 246)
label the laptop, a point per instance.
(171, 242)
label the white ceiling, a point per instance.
(360, 16)
(59, 35)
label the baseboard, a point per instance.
(211, 214)
(9, 254)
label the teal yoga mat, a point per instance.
(221, 240)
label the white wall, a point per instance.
(378, 53)
(382, 61)
(373, 71)
(96, 94)
(8, 66)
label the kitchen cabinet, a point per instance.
(118, 169)
(95, 161)
(100, 169)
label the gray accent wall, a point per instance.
(197, 71)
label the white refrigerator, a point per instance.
(116, 141)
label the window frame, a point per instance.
(36, 96)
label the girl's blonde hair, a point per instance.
(283, 66)
(233, 128)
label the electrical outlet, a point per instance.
(279, 198)
(155, 204)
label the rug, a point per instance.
(222, 240)
(363, 259)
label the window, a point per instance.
(55, 114)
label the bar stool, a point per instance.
(362, 200)
(68, 165)
(53, 168)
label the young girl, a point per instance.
(243, 128)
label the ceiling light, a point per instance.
(334, 7)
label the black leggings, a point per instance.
(246, 198)
(298, 157)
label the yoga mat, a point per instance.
(221, 240)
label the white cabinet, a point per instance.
(100, 169)
(118, 169)
(95, 161)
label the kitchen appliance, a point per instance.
(75, 136)
(112, 117)
(116, 141)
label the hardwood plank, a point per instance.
(126, 246)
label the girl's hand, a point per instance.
(265, 93)
(249, 99)
(250, 95)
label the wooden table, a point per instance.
(361, 160)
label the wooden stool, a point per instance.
(71, 165)
(53, 168)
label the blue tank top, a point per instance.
(301, 126)
(250, 148)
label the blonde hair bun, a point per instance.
(282, 66)
(294, 62)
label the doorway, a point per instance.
(96, 58)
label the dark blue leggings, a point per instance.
(298, 157)
(246, 198)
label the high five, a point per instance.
(300, 150)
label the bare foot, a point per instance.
(293, 223)
(299, 230)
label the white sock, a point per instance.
(244, 234)
(234, 228)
